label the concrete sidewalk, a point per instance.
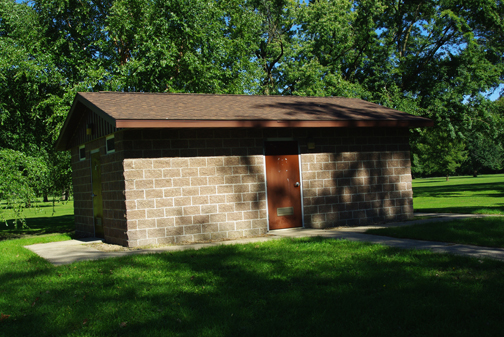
(66, 252)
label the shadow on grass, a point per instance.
(38, 226)
(464, 209)
(485, 232)
(291, 288)
(453, 191)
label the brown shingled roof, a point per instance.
(159, 106)
(162, 110)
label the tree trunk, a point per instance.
(447, 177)
(475, 173)
(46, 198)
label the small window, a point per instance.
(82, 152)
(110, 144)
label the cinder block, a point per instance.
(201, 219)
(208, 190)
(208, 209)
(225, 208)
(146, 203)
(182, 201)
(172, 192)
(198, 162)
(135, 214)
(192, 229)
(150, 174)
(165, 222)
(133, 174)
(156, 233)
(209, 228)
(183, 221)
(224, 189)
(228, 226)
(165, 241)
(235, 234)
(162, 183)
(162, 163)
(181, 182)
(171, 173)
(199, 181)
(174, 231)
(155, 213)
(179, 162)
(153, 194)
(217, 199)
(206, 171)
(164, 202)
(184, 238)
(173, 211)
(141, 164)
(219, 236)
(189, 172)
(214, 218)
(137, 235)
(192, 210)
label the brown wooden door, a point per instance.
(283, 184)
(97, 194)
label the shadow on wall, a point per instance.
(353, 177)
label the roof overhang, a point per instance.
(163, 123)
(148, 110)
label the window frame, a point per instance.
(82, 147)
(107, 144)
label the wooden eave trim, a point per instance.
(66, 132)
(163, 123)
(97, 110)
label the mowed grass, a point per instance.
(301, 287)
(41, 218)
(487, 232)
(480, 195)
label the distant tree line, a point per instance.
(433, 58)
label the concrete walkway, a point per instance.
(66, 252)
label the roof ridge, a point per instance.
(206, 94)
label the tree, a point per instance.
(438, 153)
(20, 176)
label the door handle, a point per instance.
(296, 184)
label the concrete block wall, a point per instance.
(193, 185)
(356, 177)
(114, 220)
(83, 203)
(184, 185)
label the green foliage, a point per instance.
(438, 153)
(430, 58)
(20, 176)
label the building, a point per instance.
(169, 168)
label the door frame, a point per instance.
(283, 139)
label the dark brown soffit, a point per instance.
(154, 123)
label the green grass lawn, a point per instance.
(302, 287)
(487, 232)
(287, 287)
(41, 218)
(481, 195)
